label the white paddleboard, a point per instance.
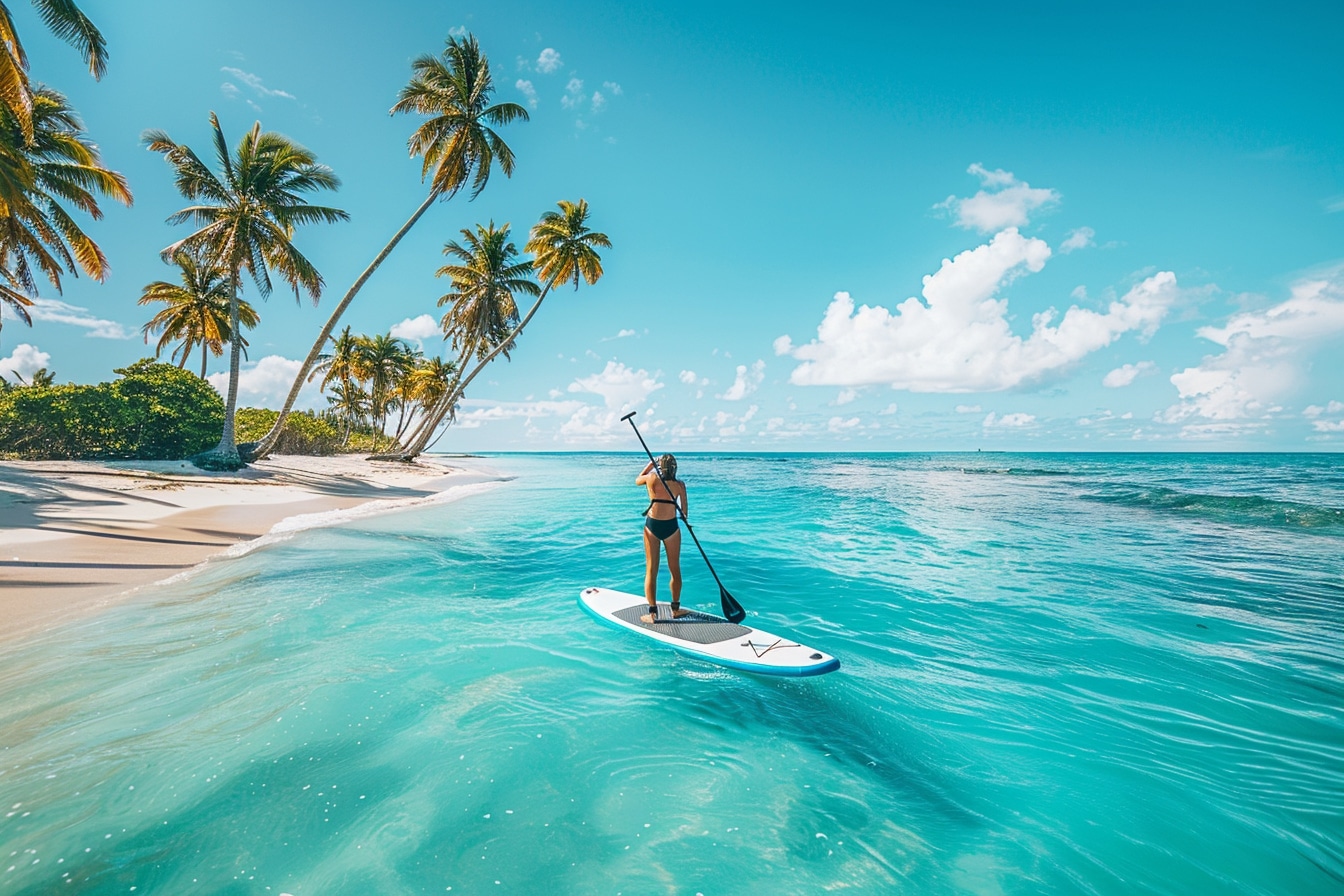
(707, 637)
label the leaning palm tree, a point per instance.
(39, 176)
(66, 22)
(483, 311)
(564, 250)
(457, 146)
(349, 400)
(428, 383)
(197, 311)
(246, 216)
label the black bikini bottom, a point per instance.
(661, 529)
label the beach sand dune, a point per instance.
(75, 535)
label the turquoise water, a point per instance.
(1061, 674)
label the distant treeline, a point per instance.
(151, 412)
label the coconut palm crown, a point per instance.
(196, 312)
(66, 21)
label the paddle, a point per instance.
(732, 610)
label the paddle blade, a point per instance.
(732, 610)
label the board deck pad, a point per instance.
(708, 637)
(698, 628)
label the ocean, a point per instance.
(1061, 673)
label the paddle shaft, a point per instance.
(725, 597)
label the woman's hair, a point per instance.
(667, 467)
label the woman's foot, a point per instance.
(677, 611)
(651, 617)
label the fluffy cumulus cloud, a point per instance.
(56, 312)
(1003, 201)
(958, 338)
(549, 61)
(620, 387)
(1081, 238)
(416, 329)
(1329, 419)
(1126, 374)
(527, 90)
(747, 381)
(1264, 353)
(574, 96)
(23, 362)
(266, 383)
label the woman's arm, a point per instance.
(643, 477)
(685, 502)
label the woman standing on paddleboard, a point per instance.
(660, 527)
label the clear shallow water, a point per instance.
(1061, 674)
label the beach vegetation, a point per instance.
(48, 167)
(458, 147)
(305, 432)
(246, 215)
(153, 411)
(196, 312)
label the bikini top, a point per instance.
(653, 501)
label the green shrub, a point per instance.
(304, 432)
(154, 412)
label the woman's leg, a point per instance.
(650, 576)
(673, 548)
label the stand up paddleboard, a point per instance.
(707, 637)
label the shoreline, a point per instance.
(78, 536)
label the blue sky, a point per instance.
(969, 226)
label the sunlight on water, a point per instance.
(1061, 673)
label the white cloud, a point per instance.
(613, 88)
(846, 396)
(1328, 425)
(619, 386)
(1315, 410)
(527, 90)
(1078, 239)
(549, 61)
(687, 377)
(748, 379)
(783, 345)
(574, 96)
(475, 413)
(458, 31)
(960, 341)
(841, 424)
(57, 312)
(23, 362)
(416, 329)
(1263, 356)
(1123, 376)
(229, 90)
(255, 83)
(1009, 205)
(266, 383)
(1009, 420)
(888, 410)
(620, 334)
(968, 409)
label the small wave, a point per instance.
(1245, 510)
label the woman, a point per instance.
(660, 526)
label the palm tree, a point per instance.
(457, 144)
(246, 217)
(349, 399)
(564, 250)
(66, 22)
(483, 309)
(427, 384)
(197, 312)
(383, 361)
(38, 177)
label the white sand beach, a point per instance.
(75, 535)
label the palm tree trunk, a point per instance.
(184, 359)
(263, 447)
(417, 447)
(224, 456)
